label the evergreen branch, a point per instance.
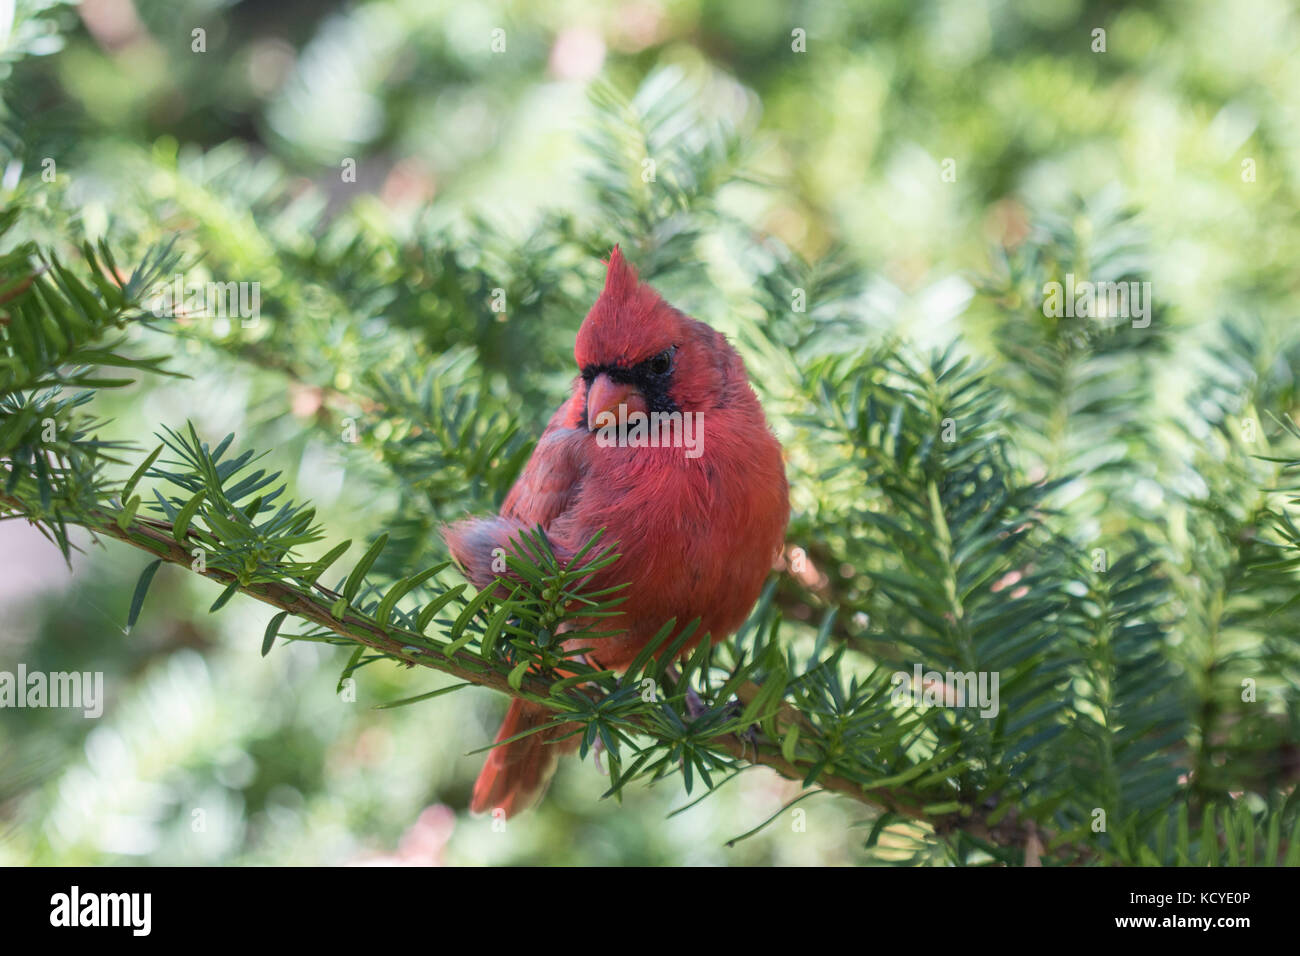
(159, 539)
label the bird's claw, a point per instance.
(749, 736)
(694, 705)
(598, 748)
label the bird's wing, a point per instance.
(552, 476)
(546, 489)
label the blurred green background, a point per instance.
(1191, 115)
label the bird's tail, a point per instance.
(517, 774)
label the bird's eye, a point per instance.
(661, 363)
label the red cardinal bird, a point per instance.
(698, 527)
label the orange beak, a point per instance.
(605, 395)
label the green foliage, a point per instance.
(59, 335)
(1099, 513)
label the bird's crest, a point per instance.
(621, 279)
(627, 321)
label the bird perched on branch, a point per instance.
(699, 522)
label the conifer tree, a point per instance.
(1031, 503)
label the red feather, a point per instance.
(698, 536)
